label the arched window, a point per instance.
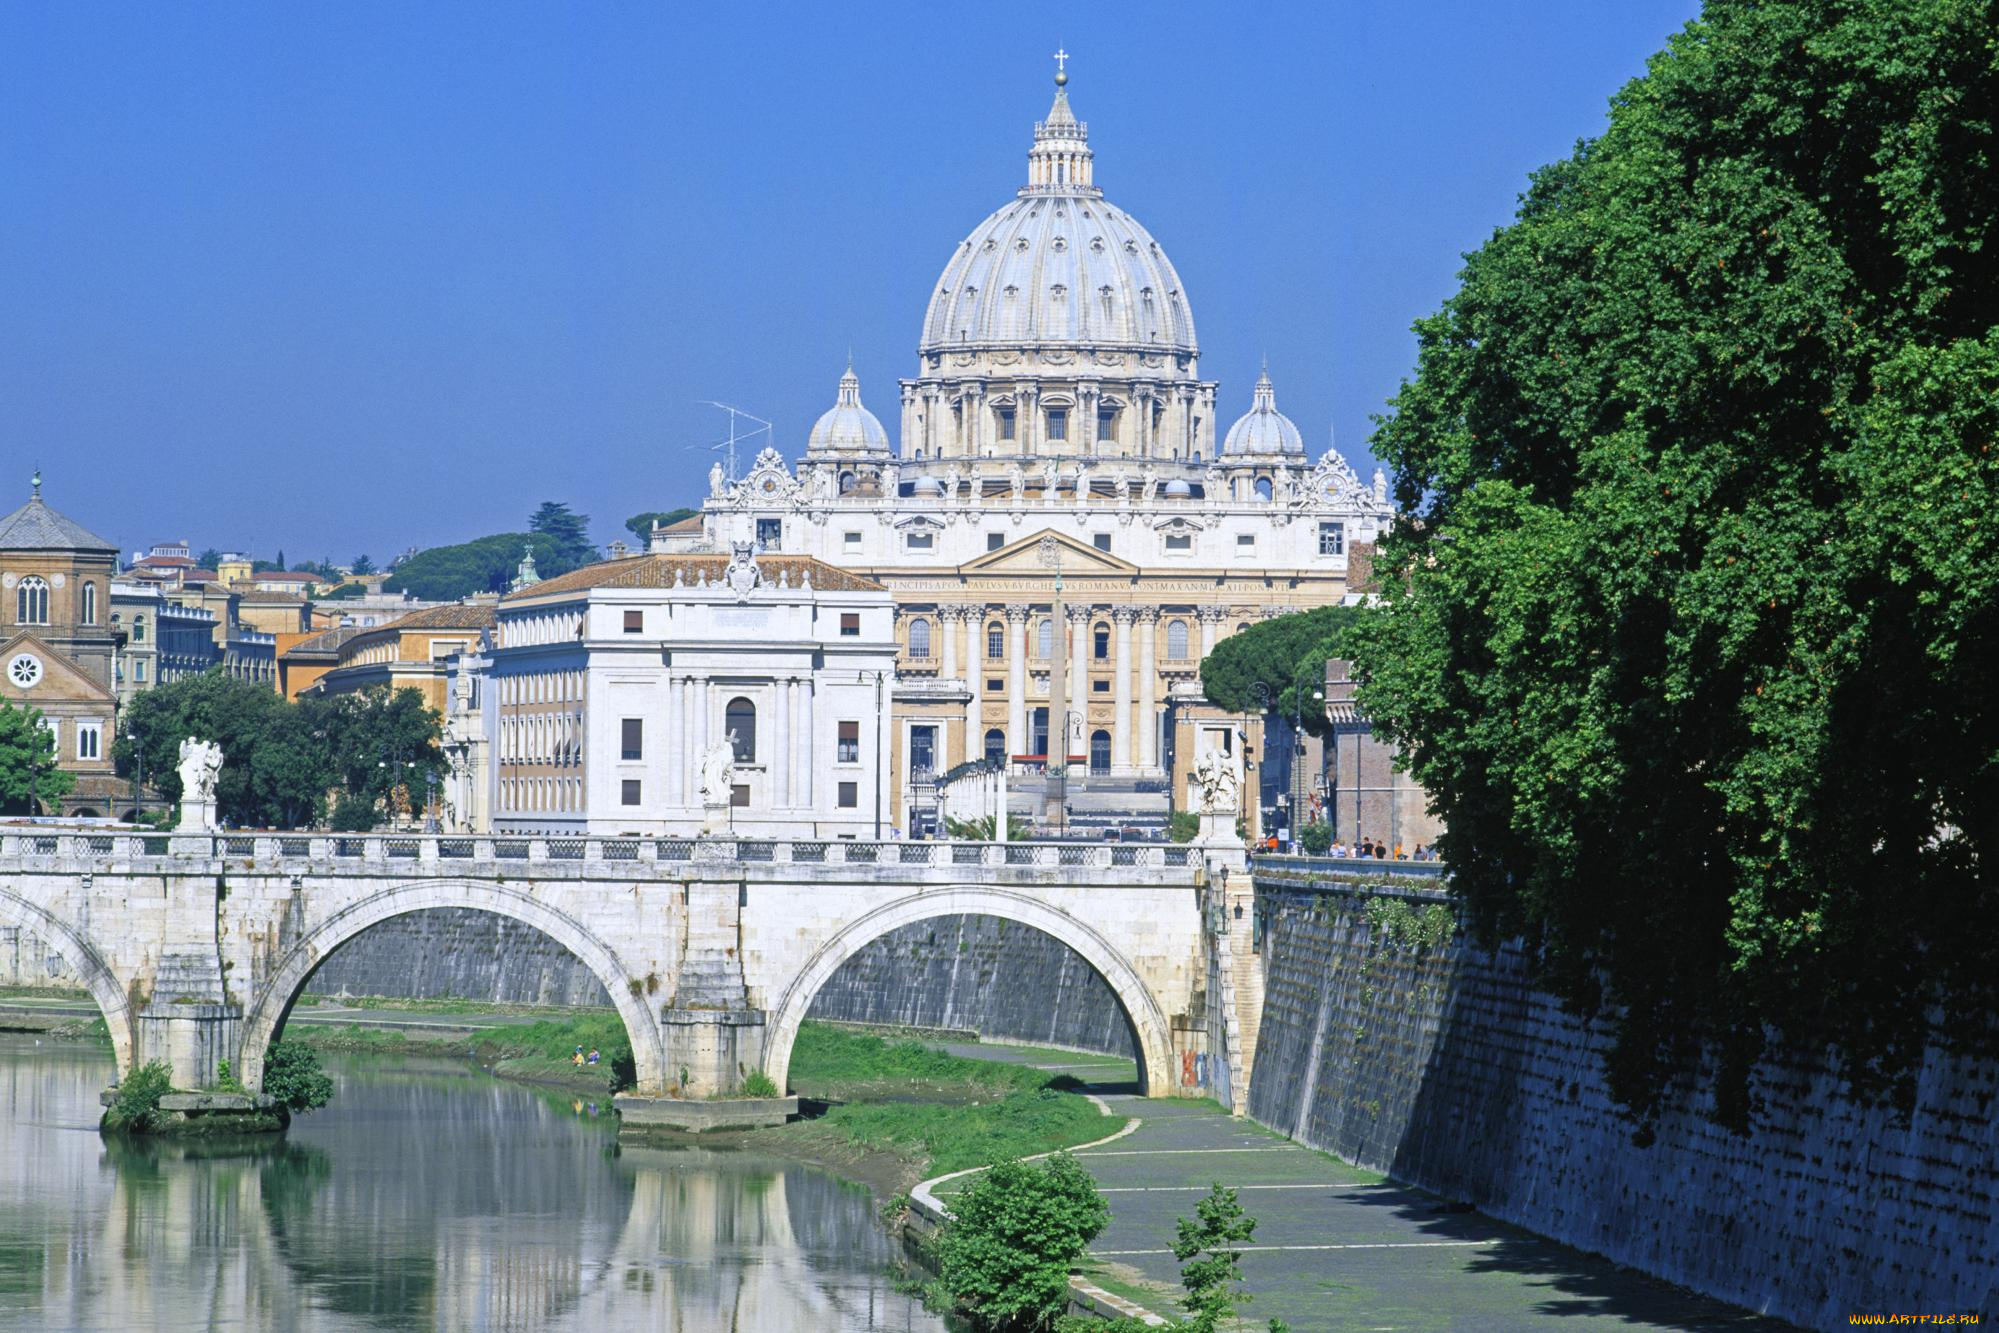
(847, 483)
(31, 601)
(1045, 640)
(138, 629)
(995, 640)
(996, 746)
(919, 638)
(741, 718)
(1101, 643)
(90, 603)
(1263, 488)
(1100, 752)
(1176, 639)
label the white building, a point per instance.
(607, 686)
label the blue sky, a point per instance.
(358, 277)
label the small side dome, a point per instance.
(849, 428)
(1264, 429)
(927, 486)
(1177, 490)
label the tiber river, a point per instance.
(428, 1195)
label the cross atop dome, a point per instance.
(1061, 67)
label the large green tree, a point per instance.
(1694, 621)
(484, 564)
(640, 525)
(28, 772)
(569, 533)
(1285, 656)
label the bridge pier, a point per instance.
(190, 1022)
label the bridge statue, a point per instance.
(718, 781)
(1219, 786)
(200, 763)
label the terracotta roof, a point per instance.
(685, 525)
(444, 617)
(271, 598)
(324, 644)
(36, 527)
(656, 571)
(163, 562)
(288, 576)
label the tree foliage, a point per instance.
(640, 525)
(292, 1075)
(28, 769)
(1209, 1247)
(1697, 619)
(1284, 656)
(1014, 1232)
(281, 760)
(570, 533)
(363, 565)
(136, 1108)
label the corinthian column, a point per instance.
(1016, 677)
(1211, 618)
(1079, 673)
(974, 617)
(1147, 667)
(1121, 618)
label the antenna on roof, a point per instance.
(763, 427)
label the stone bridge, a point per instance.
(196, 946)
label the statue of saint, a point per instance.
(715, 480)
(1220, 785)
(718, 771)
(1148, 476)
(951, 483)
(200, 763)
(1017, 480)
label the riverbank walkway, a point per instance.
(1339, 1249)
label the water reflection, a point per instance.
(427, 1196)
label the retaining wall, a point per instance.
(1447, 1069)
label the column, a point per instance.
(1016, 677)
(1146, 664)
(674, 776)
(1121, 618)
(1079, 675)
(808, 740)
(780, 748)
(974, 617)
(1211, 620)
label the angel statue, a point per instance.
(200, 762)
(718, 771)
(1220, 784)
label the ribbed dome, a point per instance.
(848, 428)
(1060, 265)
(1264, 429)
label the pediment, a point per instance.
(1024, 557)
(62, 680)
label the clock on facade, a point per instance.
(24, 671)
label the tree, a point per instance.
(1697, 601)
(28, 772)
(568, 534)
(982, 828)
(1014, 1232)
(236, 714)
(1284, 656)
(485, 564)
(1209, 1248)
(208, 559)
(363, 565)
(640, 525)
(292, 1075)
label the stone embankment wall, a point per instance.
(1442, 1065)
(458, 953)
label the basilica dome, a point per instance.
(1060, 265)
(847, 427)
(1263, 429)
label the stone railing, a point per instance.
(85, 848)
(1424, 879)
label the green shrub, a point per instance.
(1316, 837)
(293, 1077)
(353, 815)
(136, 1109)
(759, 1084)
(1013, 1234)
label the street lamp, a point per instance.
(1297, 744)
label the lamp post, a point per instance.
(1259, 692)
(138, 774)
(1055, 780)
(430, 822)
(880, 724)
(1297, 744)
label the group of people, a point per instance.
(1369, 849)
(580, 1059)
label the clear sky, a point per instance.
(361, 276)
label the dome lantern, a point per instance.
(1059, 162)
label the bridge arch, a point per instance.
(1150, 1030)
(91, 969)
(274, 998)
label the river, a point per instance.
(428, 1195)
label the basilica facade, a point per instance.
(1062, 526)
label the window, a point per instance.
(635, 622)
(1100, 752)
(740, 717)
(1058, 423)
(850, 743)
(850, 795)
(31, 601)
(138, 629)
(995, 540)
(139, 671)
(739, 795)
(90, 603)
(628, 792)
(770, 533)
(847, 483)
(919, 637)
(995, 641)
(920, 541)
(1101, 686)
(632, 739)
(1101, 540)
(1176, 638)
(996, 746)
(1245, 542)
(1101, 643)
(852, 541)
(1106, 423)
(1179, 541)
(89, 740)
(1263, 488)
(922, 749)
(1332, 539)
(1045, 639)
(995, 684)
(850, 624)
(1006, 423)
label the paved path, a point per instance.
(1338, 1248)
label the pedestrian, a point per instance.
(577, 1059)
(593, 1055)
